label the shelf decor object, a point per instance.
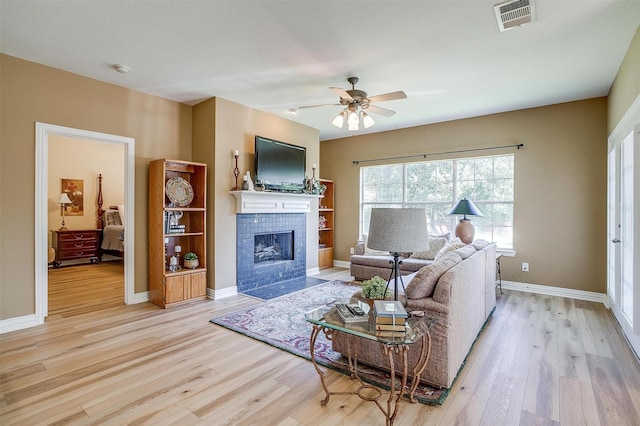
(236, 170)
(464, 229)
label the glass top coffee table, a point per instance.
(326, 319)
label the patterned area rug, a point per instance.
(280, 323)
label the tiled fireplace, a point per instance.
(270, 247)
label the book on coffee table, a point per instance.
(389, 309)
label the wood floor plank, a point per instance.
(577, 402)
(140, 364)
(541, 395)
(615, 406)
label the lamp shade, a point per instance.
(64, 199)
(398, 230)
(465, 207)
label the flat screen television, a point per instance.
(279, 166)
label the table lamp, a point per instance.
(64, 199)
(464, 229)
(398, 231)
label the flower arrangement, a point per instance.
(375, 288)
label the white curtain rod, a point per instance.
(518, 146)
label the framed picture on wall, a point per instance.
(75, 190)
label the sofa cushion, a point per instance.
(425, 280)
(450, 246)
(465, 251)
(435, 245)
(371, 260)
(413, 265)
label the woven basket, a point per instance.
(191, 264)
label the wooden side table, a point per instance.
(76, 244)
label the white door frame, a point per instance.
(629, 124)
(43, 131)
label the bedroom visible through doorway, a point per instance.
(45, 205)
(83, 276)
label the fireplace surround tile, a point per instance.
(252, 275)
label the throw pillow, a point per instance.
(465, 251)
(480, 244)
(435, 245)
(450, 246)
(425, 280)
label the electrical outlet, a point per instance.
(352, 250)
(525, 266)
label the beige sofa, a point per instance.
(366, 263)
(459, 291)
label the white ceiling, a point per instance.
(447, 56)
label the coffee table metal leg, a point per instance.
(312, 343)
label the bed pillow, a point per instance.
(121, 213)
(112, 218)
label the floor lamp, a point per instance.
(398, 231)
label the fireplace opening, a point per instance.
(273, 247)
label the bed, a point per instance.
(112, 222)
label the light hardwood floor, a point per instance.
(75, 290)
(540, 360)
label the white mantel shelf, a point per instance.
(272, 202)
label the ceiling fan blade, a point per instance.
(388, 97)
(378, 110)
(315, 106)
(342, 93)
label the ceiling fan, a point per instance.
(357, 103)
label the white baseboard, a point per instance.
(312, 271)
(341, 264)
(222, 293)
(140, 297)
(557, 291)
(18, 323)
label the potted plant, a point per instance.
(375, 288)
(191, 260)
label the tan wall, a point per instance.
(72, 158)
(626, 86)
(31, 92)
(560, 189)
(219, 128)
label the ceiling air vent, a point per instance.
(513, 14)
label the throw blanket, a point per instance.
(113, 237)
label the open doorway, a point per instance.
(87, 242)
(45, 132)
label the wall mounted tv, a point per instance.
(280, 166)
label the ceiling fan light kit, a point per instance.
(356, 101)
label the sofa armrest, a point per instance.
(359, 249)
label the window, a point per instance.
(437, 185)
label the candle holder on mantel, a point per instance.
(236, 172)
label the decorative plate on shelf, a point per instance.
(179, 191)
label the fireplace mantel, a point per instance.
(272, 202)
